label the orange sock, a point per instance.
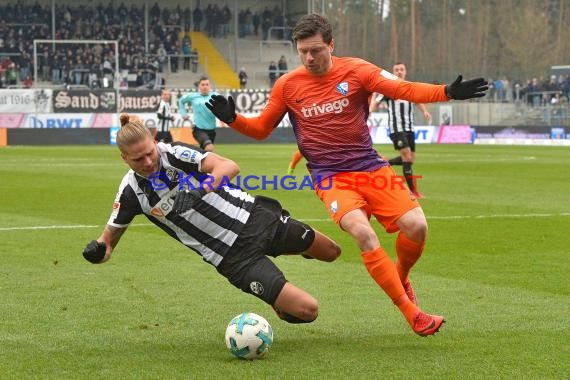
(383, 271)
(408, 252)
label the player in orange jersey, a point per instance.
(327, 101)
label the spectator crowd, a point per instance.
(536, 91)
(168, 47)
(94, 64)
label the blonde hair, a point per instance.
(132, 131)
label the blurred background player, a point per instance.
(165, 119)
(297, 156)
(327, 102)
(230, 229)
(401, 124)
(204, 121)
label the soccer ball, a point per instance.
(249, 336)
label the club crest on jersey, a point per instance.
(342, 88)
(388, 75)
(334, 207)
(172, 173)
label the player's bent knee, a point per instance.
(333, 252)
(311, 313)
(364, 235)
(419, 230)
(306, 315)
(414, 224)
(324, 248)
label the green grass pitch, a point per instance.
(496, 266)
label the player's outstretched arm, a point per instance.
(461, 90)
(98, 251)
(256, 127)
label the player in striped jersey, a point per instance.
(184, 191)
(401, 124)
(327, 102)
(165, 118)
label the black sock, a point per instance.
(407, 166)
(395, 161)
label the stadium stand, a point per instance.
(146, 59)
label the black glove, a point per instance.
(95, 251)
(185, 199)
(474, 88)
(224, 109)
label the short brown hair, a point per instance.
(311, 25)
(132, 131)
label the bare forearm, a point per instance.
(422, 107)
(220, 170)
(110, 236)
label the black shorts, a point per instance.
(269, 232)
(403, 140)
(165, 137)
(204, 136)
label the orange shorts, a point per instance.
(381, 193)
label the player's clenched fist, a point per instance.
(95, 251)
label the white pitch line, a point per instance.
(448, 217)
(452, 217)
(500, 216)
(56, 227)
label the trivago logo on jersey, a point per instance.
(322, 109)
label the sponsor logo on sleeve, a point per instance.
(189, 155)
(116, 207)
(388, 75)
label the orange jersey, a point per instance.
(329, 113)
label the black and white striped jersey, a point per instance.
(210, 227)
(164, 116)
(400, 115)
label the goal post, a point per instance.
(116, 75)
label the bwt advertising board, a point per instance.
(380, 133)
(73, 120)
